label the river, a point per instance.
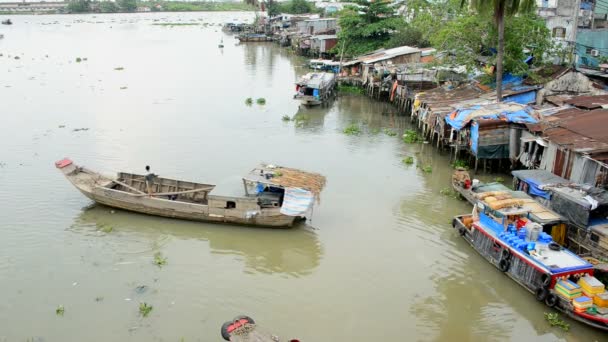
(379, 260)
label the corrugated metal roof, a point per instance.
(580, 130)
(589, 102)
(384, 54)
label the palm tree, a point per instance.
(500, 9)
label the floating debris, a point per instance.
(141, 289)
(60, 310)
(61, 126)
(78, 59)
(159, 260)
(249, 101)
(98, 299)
(106, 228)
(17, 57)
(119, 68)
(80, 129)
(390, 132)
(408, 160)
(123, 88)
(411, 136)
(286, 118)
(145, 309)
(261, 101)
(352, 129)
(554, 320)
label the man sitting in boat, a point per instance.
(149, 180)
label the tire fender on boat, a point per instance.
(551, 300)
(541, 294)
(545, 280)
(503, 265)
(462, 231)
(505, 254)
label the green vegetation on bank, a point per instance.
(87, 6)
(468, 36)
(292, 7)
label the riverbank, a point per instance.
(171, 99)
(96, 7)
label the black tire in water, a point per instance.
(453, 223)
(551, 300)
(462, 231)
(503, 265)
(541, 294)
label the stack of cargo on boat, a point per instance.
(506, 237)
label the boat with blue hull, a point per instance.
(533, 260)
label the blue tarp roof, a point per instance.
(509, 112)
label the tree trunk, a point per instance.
(500, 23)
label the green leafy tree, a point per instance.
(367, 27)
(79, 6)
(467, 40)
(108, 7)
(300, 7)
(500, 9)
(127, 5)
(274, 8)
(407, 35)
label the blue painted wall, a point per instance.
(596, 39)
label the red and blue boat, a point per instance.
(534, 261)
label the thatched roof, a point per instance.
(287, 178)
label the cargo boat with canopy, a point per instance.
(315, 88)
(275, 196)
(507, 239)
(497, 195)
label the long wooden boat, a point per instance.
(253, 37)
(541, 270)
(269, 199)
(315, 88)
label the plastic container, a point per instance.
(522, 245)
(521, 233)
(475, 182)
(534, 232)
(531, 246)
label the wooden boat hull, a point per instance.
(310, 101)
(244, 212)
(520, 270)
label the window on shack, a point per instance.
(559, 32)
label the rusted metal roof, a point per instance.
(589, 102)
(580, 130)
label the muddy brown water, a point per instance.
(379, 261)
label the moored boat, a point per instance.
(553, 274)
(497, 194)
(324, 65)
(274, 196)
(253, 37)
(315, 88)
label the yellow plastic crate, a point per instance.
(591, 285)
(601, 300)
